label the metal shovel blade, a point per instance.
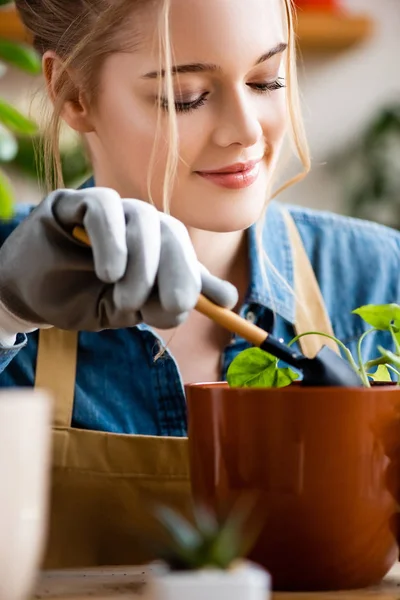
(326, 369)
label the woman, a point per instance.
(186, 106)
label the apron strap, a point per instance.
(56, 370)
(311, 313)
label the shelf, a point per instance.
(317, 31)
(322, 32)
(11, 27)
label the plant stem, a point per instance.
(362, 370)
(395, 340)
(394, 371)
(346, 351)
(375, 363)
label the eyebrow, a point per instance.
(211, 68)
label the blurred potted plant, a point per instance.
(204, 560)
(12, 122)
(369, 170)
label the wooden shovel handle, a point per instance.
(224, 317)
(231, 321)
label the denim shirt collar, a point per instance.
(271, 263)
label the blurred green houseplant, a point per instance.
(13, 124)
(20, 136)
(369, 170)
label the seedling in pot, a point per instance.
(209, 542)
(256, 368)
(205, 559)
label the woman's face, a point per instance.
(228, 72)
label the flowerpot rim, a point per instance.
(291, 389)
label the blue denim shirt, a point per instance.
(121, 388)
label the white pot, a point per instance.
(245, 582)
(25, 443)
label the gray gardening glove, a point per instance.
(141, 267)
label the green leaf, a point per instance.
(251, 368)
(391, 358)
(182, 532)
(6, 2)
(14, 120)
(380, 316)
(284, 377)
(21, 56)
(8, 145)
(225, 547)
(381, 374)
(206, 521)
(6, 197)
(256, 368)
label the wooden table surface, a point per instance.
(118, 583)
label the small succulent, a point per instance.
(209, 542)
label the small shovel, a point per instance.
(326, 369)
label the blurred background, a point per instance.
(350, 83)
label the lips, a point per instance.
(236, 168)
(236, 176)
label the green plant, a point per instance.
(74, 163)
(256, 368)
(368, 169)
(12, 122)
(209, 542)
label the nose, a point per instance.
(238, 122)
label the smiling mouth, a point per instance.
(235, 177)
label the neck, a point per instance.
(225, 255)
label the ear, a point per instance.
(61, 83)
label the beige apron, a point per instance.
(103, 483)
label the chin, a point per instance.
(222, 211)
(225, 222)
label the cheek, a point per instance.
(195, 132)
(274, 122)
(126, 135)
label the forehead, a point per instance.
(223, 31)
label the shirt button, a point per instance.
(250, 316)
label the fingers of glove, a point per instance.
(100, 211)
(179, 281)
(144, 243)
(109, 315)
(218, 290)
(154, 315)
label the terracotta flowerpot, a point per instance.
(317, 461)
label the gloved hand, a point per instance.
(141, 266)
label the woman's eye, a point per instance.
(185, 107)
(268, 86)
